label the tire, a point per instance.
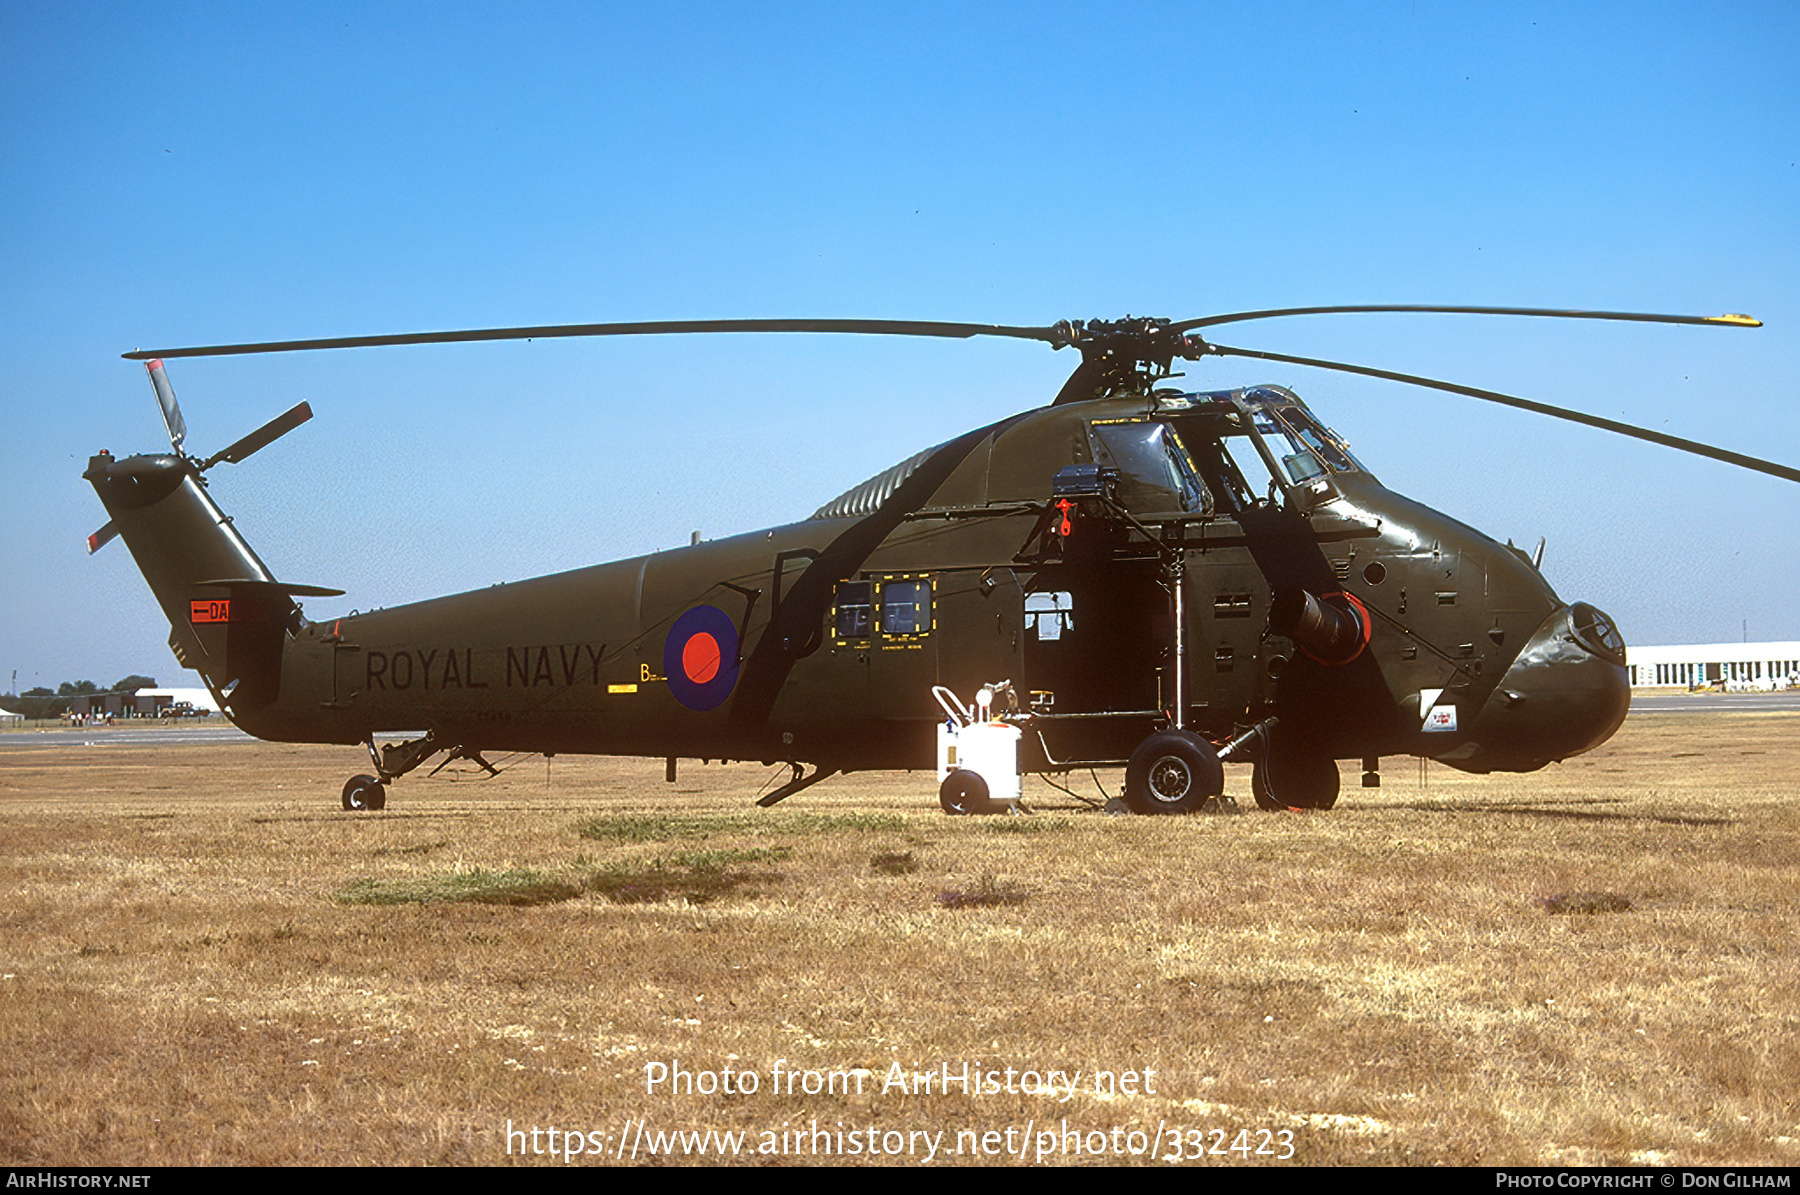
(1295, 780)
(1259, 788)
(963, 792)
(1173, 771)
(364, 793)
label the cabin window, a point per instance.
(853, 614)
(905, 606)
(1049, 615)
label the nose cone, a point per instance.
(1567, 692)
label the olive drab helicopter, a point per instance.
(1134, 574)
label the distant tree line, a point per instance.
(45, 703)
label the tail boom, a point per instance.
(227, 613)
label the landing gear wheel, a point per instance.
(1259, 788)
(364, 792)
(1296, 780)
(964, 792)
(1173, 771)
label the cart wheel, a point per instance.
(964, 792)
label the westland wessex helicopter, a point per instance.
(1133, 574)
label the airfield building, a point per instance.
(1738, 667)
(145, 703)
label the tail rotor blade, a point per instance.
(262, 437)
(102, 537)
(171, 410)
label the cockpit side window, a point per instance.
(1155, 472)
(1312, 450)
(1220, 473)
(1292, 450)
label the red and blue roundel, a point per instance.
(700, 658)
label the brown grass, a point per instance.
(205, 962)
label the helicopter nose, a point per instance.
(1566, 692)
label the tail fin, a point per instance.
(228, 615)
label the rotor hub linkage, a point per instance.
(1126, 345)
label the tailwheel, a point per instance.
(1295, 780)
(364, 792)
(1173, 771)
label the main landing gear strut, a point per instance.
(1173, 771)
(394, 760)
(1177, 771)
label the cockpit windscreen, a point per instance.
(1155, 472)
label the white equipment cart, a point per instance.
(977, 755)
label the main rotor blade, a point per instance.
(1526, 404)
(1729, 320)
(262, 437)
(874, 327)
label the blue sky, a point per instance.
(188, 174)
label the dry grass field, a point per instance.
(205, 963)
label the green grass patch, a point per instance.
(694, 876)
(1586, 903)
(988, 893)
(726, 857)
(894, 863)
(417, 848)
(519, 886)
(1026, 825)
(697, 876)
(666, 827)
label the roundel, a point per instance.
(700, 658)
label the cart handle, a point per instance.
(952, 705)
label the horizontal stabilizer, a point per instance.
(278, 587)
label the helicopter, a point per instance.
(1133, 574)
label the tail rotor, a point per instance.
(171, 410)
(236, 453)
